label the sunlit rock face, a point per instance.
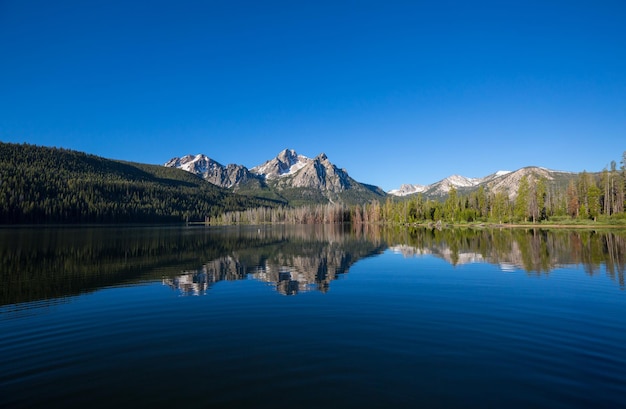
(317, 179)
(501, 181)
(287, 162)
(212, 171)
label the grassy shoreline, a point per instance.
(518, 225)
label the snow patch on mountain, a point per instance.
(443, 187)
(199, 164)
(462, 181)
(286, 163)
(302, 162)
(408, 189)
(212, 171)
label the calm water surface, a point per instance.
(311, 317)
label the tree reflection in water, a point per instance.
(536, 251)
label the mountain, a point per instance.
(442, 187)
(509, 182)
(500, 181)
(285, 163)
(289, 176)
(317, 173)
(298, 179)
(408, 189)
(212, 171)
(319, 180)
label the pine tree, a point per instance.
(593, 198)
(572, 200)
(523, 199)
(451, 206)
(540, 194)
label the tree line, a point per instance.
(588, 196)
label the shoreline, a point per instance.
(430, 225)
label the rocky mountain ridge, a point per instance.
(289, 176)
(296, 178)
(212, 171)
(287, 162)
(500, 181)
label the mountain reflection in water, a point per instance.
(298, 260)
(300, 275)
(49, 263)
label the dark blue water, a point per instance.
(311, 318)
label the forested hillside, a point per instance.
(52, 185)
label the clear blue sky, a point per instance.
(395, 92)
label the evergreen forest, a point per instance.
(54, 185)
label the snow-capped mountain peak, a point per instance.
(287, 162)
(212, 171)
(502, 180)
(408, 189)
(461, 181)
(198, 164)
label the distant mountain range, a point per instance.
(500, 181)
(289, 176)
(298, 179)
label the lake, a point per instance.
(312, 316)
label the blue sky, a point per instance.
(395, 92)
